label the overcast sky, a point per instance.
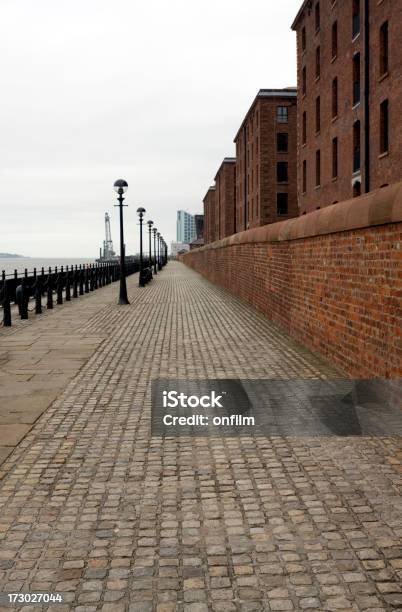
(152, 91)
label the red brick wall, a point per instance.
(386, 168)
(209, 216)
(332, 278)
(383, 169)
(225, 198)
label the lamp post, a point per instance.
(150, 224)
(141, 283)
(120, 187)
(161, 255)
(154, 231)
(162, 252)
(159, 245)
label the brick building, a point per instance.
(266, 148)
(199, 226)
(349, 66)
(225, 198)
(209, 216)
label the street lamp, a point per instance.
(165, 252)
(161, 255)
(159, 244)
(162, 252)
(154, 231)
(120, 187)
(141, 212)
(150, 224)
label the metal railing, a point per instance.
(57, 285)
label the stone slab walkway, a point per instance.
(95, 509)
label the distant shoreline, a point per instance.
(12, 256)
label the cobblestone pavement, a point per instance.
(93, 508)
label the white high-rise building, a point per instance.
(185, 227)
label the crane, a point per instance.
(108, 252)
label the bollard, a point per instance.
(86, 280)
(59, 287)
(6, 302)
(49, 303)
(21, 298)
(42, 280)
(81, 279)
(75, 282)
(68, 290)
(91, 278)
(38, 294)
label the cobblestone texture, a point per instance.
(91, 507)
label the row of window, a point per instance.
(282, 116)
(356, 161)
(383, 60)
(317, 17)
(356, 100)
(282, 206)
(282, 176)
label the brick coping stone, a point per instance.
(378, 207)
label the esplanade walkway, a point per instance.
(95, 509)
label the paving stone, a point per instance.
(93, 507)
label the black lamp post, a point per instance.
(162, 252)
(161, 255)
(159, 251)
(141, 283)
(154, 231)
(150, 224)
(120, 187)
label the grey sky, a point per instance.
(152, 92)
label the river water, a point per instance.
(9, 264)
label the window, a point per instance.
(317, 114)
(282, 142)
(282, 203)
(318, 168)
(304, 187)
(304, 81)
(335, 98)
(317, 63)
(356, 146)
(282, 172)
(317, 16)
(356, 79)
(334, 157)
(384, 126)
(357, 189)
(356, 18)
(334, 39)
(282, 114)
(384, 48)
(303, 38)
(304, 128)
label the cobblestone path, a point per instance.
(91, 507)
